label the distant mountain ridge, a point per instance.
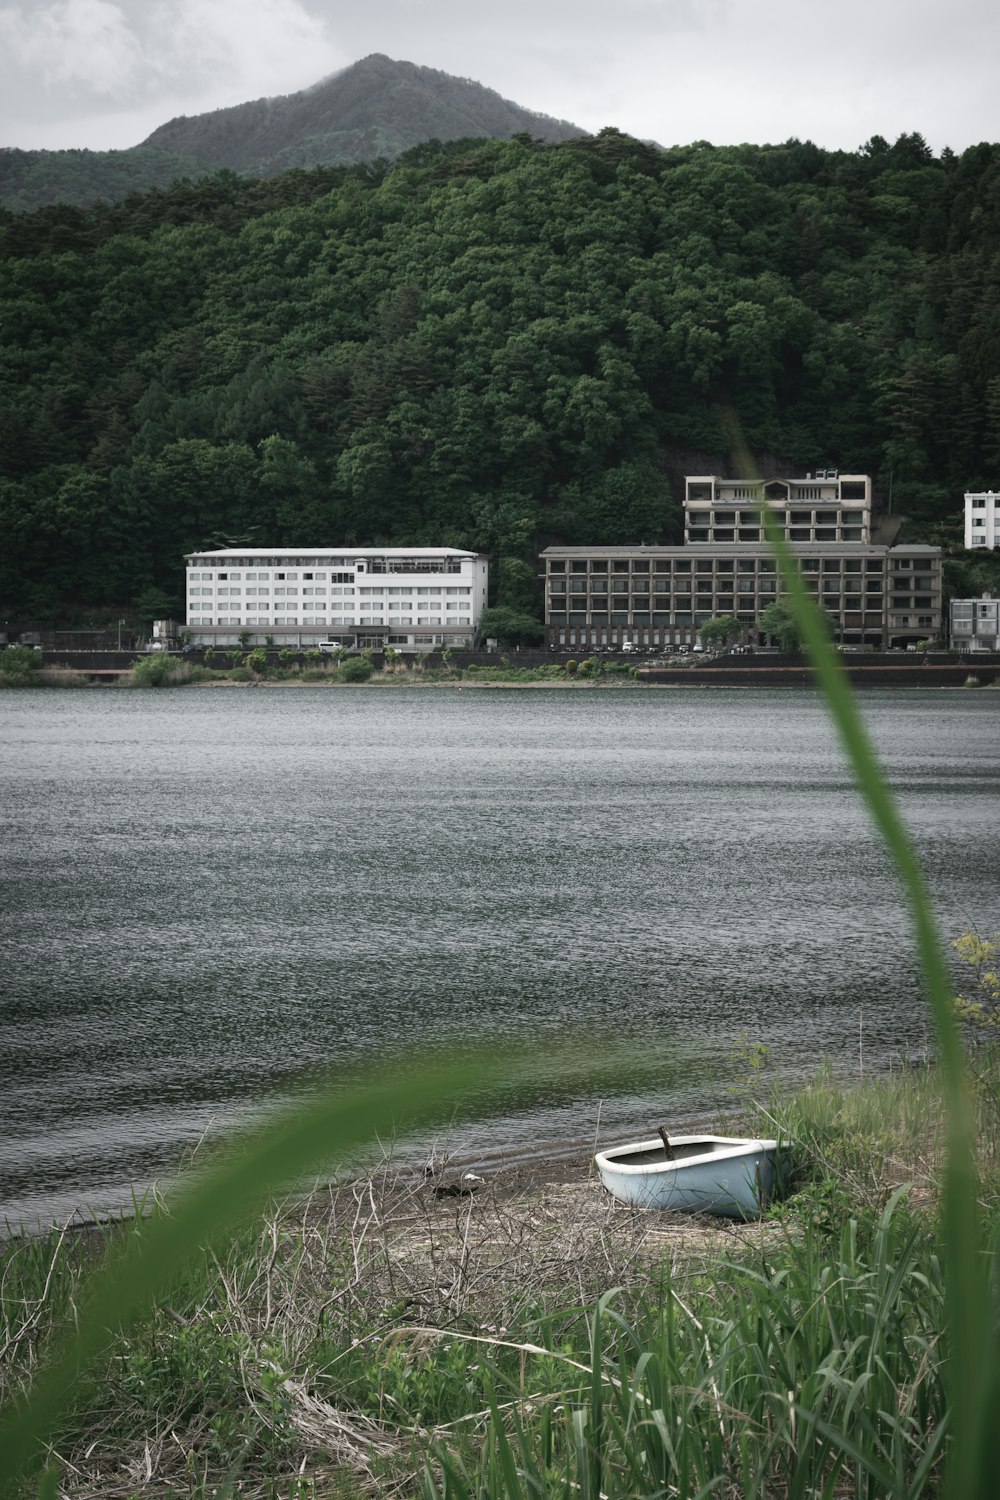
(375, 108)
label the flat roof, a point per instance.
(746, 549)
(340, 551)
(819, 476)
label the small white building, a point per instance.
(409, 598)
(975, 624)
(982, 519)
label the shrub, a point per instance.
(64, 677)
(980, 1009)
(19, 666)
(354, 669)
(257, 661)
(159, 670)
(571, 665)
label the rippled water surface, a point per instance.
(210, 896)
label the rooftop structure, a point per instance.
(824, 506)
(409, 598)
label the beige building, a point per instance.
(825, 506)
(653, 597)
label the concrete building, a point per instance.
(825, 506)
(409, 598)
(982, 519)
(653, 596)
(975, 624)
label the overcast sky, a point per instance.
(105, 73)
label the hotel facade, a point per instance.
(982, 519)
(409, 598)
(655, 597)
(975, 624)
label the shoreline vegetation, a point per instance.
(22, 667)
(416, 1331)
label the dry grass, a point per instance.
(385, 1267)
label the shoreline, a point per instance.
(387, 1305)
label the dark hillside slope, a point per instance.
(493, 345)
(377, 107)
(32, 179)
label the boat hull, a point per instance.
(707, 1174)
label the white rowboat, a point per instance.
(702, 1174)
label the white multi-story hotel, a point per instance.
(982, 519)
(651, 596)
(409, 598)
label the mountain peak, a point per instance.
(377, 106)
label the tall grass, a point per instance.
(818, 1373)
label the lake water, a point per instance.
(211, 896)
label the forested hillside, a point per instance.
(490, 345)
(32, 179)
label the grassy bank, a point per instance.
(317, 669)
(400, 1334)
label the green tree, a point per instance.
(153, 604)
(779, 624)
(719, 631)
(510, 627)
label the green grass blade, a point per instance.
(974, 1361)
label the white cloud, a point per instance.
(261, 47)
(77, 42)
(72, 59)
(106, 72)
